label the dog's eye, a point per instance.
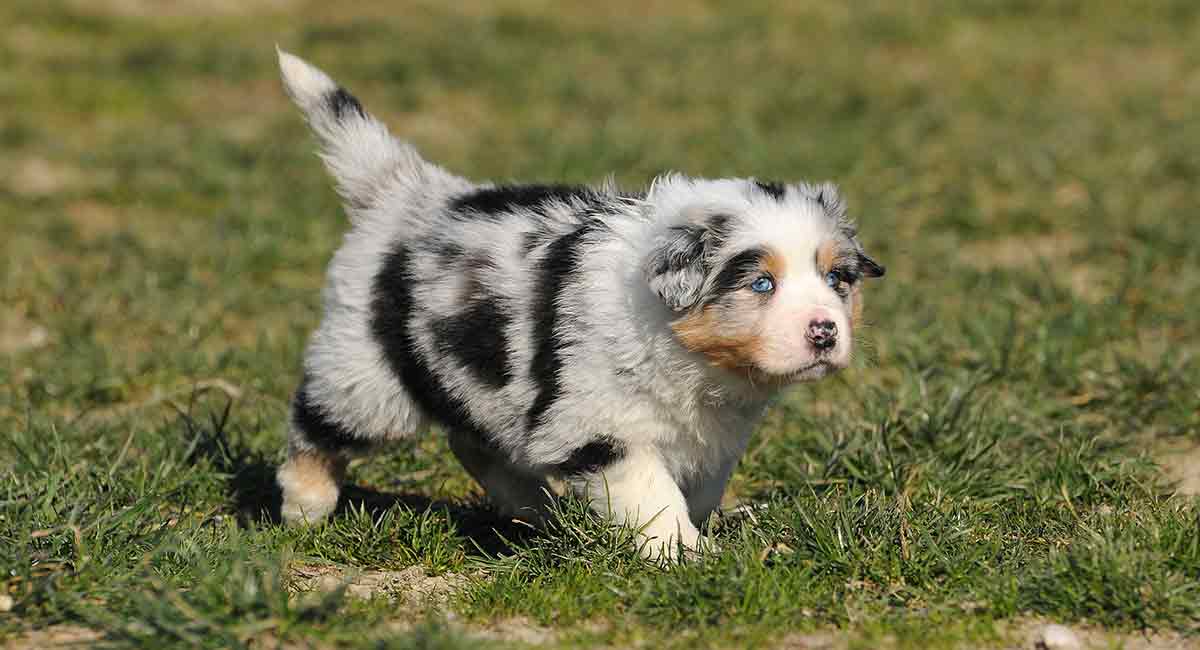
(833, 279)
(762, 284)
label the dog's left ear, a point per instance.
(675, 267)
(868, 267)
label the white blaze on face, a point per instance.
(803, 239)
(801, 329)
(802, 300)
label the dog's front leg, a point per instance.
(638, 491)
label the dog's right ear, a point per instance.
(675, 267)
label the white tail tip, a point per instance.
(305, 83)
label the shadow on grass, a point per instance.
(250, 483)
(485, 531)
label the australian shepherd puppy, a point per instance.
(624, 342)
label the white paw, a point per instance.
(670, 542)
(306, 511)
(310, 491)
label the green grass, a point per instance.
(1026, 170)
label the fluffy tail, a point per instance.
(363, 158)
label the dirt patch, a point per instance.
(1021, 634)
(413, 588)
(179, 8)
(93, 219)
(518, 629)
(34, 177)
(18, 333)
(1034, 251)
(1018, 252)
(1029, 634)
(1182, 464)
(57, 636)
(814, 641)
(409, 586)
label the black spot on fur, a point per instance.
(775, 190)
(342, 103)
(476, 338)
(506, 198)
(555, 271)
(391, 311)
(591, 458)
(318, 428)
(738, 270)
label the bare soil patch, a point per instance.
(18, 333)
(1182, 464)
(1050, 250)
(410, 586)
(1016, 252)
(181, 8)
(55, 636)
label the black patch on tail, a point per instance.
(391, 310)
(560, 264)
(475, 337)
(495, 201)
(342, 103)
(318, 428)
(591, 458)
(773, 189)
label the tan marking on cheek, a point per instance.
(826, 255)
(775, 264)
(856, 306)
(726, 342)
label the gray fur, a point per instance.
(580, 290)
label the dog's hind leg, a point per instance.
(513, 492)
(319, 447)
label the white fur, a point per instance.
(623, 376)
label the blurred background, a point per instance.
(1025, 169)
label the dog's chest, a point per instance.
(713, 443)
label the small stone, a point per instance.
(6, 603)
(1058, 637)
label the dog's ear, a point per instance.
(675, 268)
(868, 267)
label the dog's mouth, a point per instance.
(815, 369)
(809, 372)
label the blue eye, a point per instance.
(762, 284)
(833, 278)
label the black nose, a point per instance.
(822, 334)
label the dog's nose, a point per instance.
(822, 334)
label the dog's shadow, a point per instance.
(256, 496)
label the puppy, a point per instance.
(624, 342)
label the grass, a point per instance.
(1026, 171)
